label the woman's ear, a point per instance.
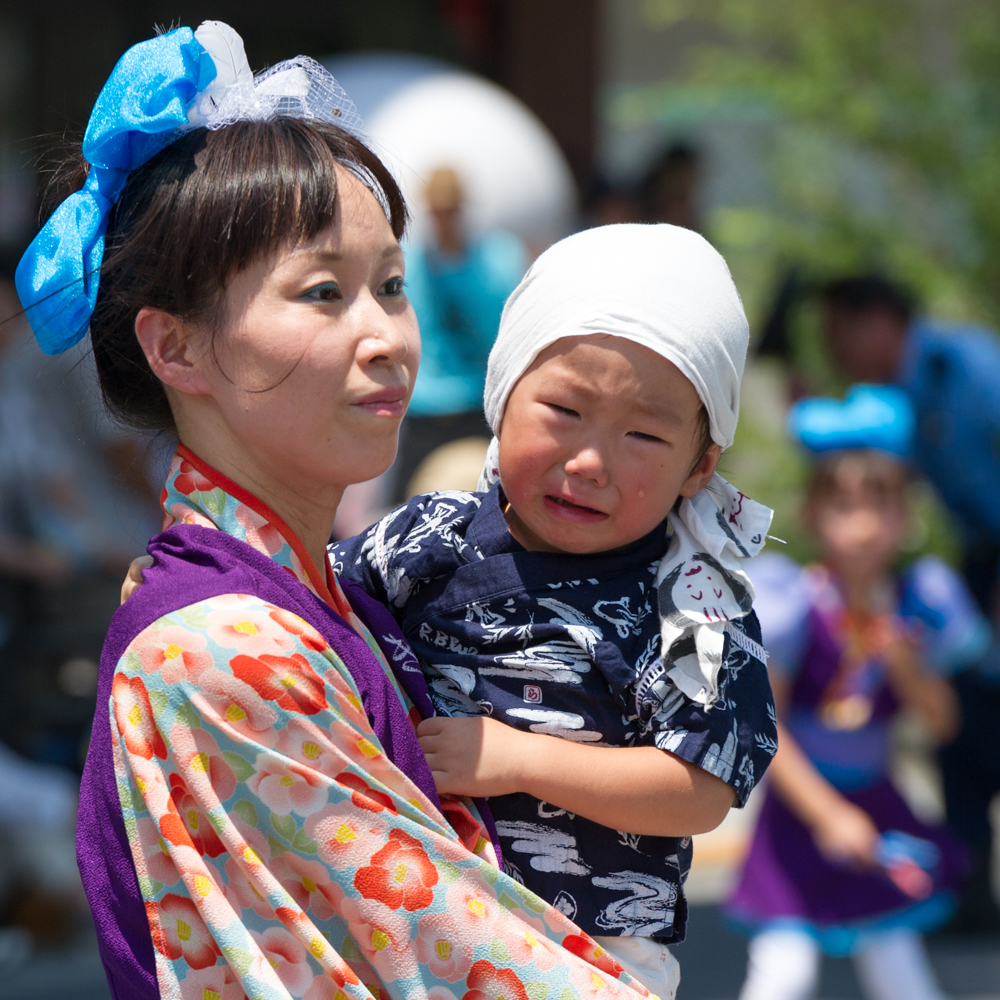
(172, 350)
(703, 471)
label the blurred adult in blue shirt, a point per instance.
(952, 376)
(458, 286)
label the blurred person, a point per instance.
(74, 503)
(608, 204)
(671, 188)
(838, 863)
(458, 284)
(951, 375)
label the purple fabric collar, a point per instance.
(191, 564)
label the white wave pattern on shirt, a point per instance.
(648, 909)
(560, 661)
(551, 850)
(583, 631)
(566, 725)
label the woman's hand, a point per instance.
(475, 756)
(846, 835)
(133, 579)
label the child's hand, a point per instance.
(847, 836)
(134, 580)
(475, 756)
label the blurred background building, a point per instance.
(807, 139)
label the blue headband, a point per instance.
(158, 90)
(871, 416)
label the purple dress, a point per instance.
(841, 721)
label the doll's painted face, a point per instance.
(599, 438)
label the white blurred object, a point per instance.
(421, 115)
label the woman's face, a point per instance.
(317, 351)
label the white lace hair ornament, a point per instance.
(669, 290)
(299, 87)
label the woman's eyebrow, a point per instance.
(389, 251)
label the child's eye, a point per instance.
(562, 409)
(645, 437)
(393, 287)
(326, 291)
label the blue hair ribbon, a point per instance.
(871, 416)
(138, 112)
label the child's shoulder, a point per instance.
(421, 540)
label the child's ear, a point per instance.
(703, 471)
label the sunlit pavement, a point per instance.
(712, 963)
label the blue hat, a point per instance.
(871, 416)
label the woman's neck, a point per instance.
(306, 506)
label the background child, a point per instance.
(612, 389)
(838, 862)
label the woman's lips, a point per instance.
(384, 403)
(570, 511)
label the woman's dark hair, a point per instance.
(205, 208)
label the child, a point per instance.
(838, 862)
(612, 389)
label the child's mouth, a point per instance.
(570, 511)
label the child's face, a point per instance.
(859, 528)
(599, 438)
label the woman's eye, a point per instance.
(327, 291)
(394, 286)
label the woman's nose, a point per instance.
(386, 335)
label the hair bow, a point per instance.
(159, 89)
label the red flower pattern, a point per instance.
(134, 717)
(364, 796)
(287, 680)
(400, 874)
(590, 951)
(190, 480)
(178, 930)
(487, 982)
(186, 824)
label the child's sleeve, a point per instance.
(417, 542)
(736, 738)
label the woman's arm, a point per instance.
(640, 790)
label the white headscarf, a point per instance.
(669, 290)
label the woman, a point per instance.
(256, 816)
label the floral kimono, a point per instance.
(256, 818)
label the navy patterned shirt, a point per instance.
(559, 644)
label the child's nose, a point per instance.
(590, 463)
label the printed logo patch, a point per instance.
(532, 694)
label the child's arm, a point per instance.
(843, 832)
(640, 790)
(930, 696)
